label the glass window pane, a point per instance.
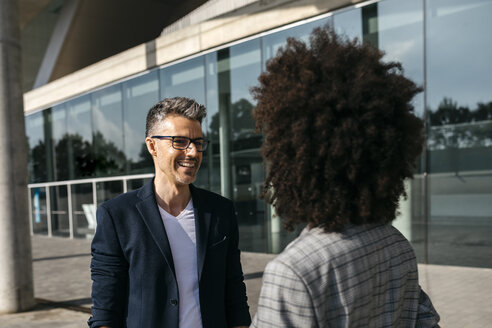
(83, 210)
(79, 136)
(238, 70)
(349, 23)
(272, 42)
(107, 190)
(139, 95)
(61, 141)
(187, 79)
(39, 211)
(59, 211)
(134, 184)
(38, 152)
(396, 27)
(107, 111)
(212, 124)
(459, 80)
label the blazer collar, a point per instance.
(150, 214)
(203, 216)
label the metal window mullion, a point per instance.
(94, 194)
(29, 201)
(48, 212)
(70, 215)
(94, 200)
(426, 196)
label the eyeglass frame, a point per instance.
(204, 141)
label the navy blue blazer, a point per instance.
(134, 282)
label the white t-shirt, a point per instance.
(182, 239)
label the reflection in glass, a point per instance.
(187, 79)
(107, 190)
(238, 70)
(396, 27)
(79, 138)
(272, 42)
(459, 67)
(400, 35)
(83, 210)
(39, 212)
(107, 111)
(278, 236)
(361, 23)
(139, 95)
(38, 152)
(59, 211)
(134, 184)
(60, 141)
(349, 23)
(460, 133)
(211, 126)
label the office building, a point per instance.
(85, 120)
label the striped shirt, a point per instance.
(365, 276)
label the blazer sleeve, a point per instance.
(109, 273)
(237, 310)
(284, 299)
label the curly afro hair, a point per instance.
(340, 133)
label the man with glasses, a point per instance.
(167, 255)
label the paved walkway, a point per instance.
(462, 296)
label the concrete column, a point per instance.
(16, 281)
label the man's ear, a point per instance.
(151, 146)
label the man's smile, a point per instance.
(187, 163)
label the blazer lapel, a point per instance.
(152, 218)
(203, 216)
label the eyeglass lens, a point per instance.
(183, 143)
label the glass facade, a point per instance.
(459, 110)
(91, 148)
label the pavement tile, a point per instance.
(461, 295)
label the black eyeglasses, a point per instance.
(183, 143)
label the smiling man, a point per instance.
(166, 255)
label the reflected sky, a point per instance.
(108, 116)
(245, 60)
(459, 51)
(34, 129)
(79, 118)
(140, 95)
(186, 79)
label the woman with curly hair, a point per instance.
(340, 140)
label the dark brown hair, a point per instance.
(340, 135)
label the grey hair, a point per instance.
(181, 106)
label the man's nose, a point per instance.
(191, 149)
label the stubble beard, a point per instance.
(184, 177)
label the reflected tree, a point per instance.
(37, 167)
(74, 158)
(454, 126)
(242, 119)
(108, 159)
(243, 131)
(144, 164)
(243, 126)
